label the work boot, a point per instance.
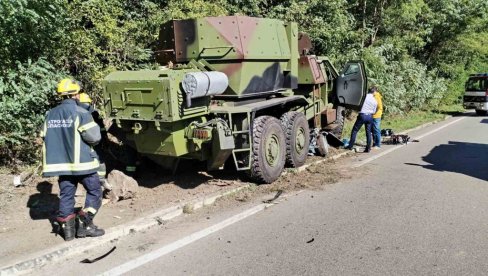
(68, 226)
(86, 228)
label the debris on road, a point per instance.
(221, 182)
(17, 181)
(274, 198)
(88, 261)
(310, 241)
(396, 139)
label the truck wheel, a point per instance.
(268, 149)
(340, 118)
(480, 112)
(297, 137)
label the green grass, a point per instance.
(402, 122)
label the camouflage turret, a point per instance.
(233, 87)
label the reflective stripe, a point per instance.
(103, 129)
(44, 130)
(130, 168)
(71, 167)
(101, 173)
(77, 142)
(90, 210)
(87, 126)
(44, 155)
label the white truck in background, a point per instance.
(476, 93)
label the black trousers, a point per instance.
(367, 121)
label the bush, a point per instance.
(26, 93)
(406, 84)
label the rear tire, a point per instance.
(268, 149)
(297, 135)
(481, 112)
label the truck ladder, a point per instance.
(238, 150)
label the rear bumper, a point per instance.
(476, 105)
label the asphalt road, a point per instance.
(419, 210)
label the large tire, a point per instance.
(340, 118)
(268, 149)
(297, 136)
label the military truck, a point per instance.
(476, 93)
(233, 89)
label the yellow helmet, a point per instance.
(84, 98)
(68, 87)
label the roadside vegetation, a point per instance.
(419, 52)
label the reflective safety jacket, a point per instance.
(69, 133)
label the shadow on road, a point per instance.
(460, 157)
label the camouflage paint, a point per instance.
(256, 54)
(261, 58)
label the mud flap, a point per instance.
(333, 140)
(222, 146)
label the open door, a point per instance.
(350, 85)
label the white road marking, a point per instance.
(372, 158)
(144, 259)
(437, 129)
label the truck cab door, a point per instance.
(350, 85)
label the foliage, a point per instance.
(406, 84)
(25, 94)
(107, 35)
(418, 51)
(193, 9)
(29, 30)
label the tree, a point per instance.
(30, 30)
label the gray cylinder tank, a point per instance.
(202, 84)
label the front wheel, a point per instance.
(268, 149)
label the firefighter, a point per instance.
(69, 134)
(85, 102)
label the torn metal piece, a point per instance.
(274, 198)
(88, 261)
